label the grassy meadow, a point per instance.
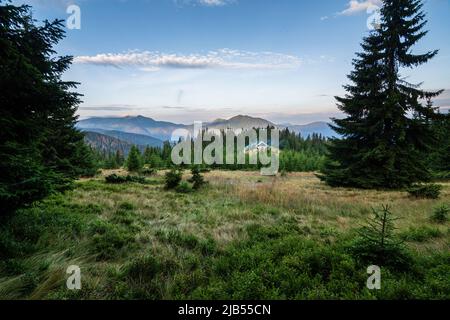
(242, 236)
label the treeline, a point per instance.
(154, 157)
(297, 154)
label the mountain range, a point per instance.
(114, 133)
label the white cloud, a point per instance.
(357, 6)
(214, 2)
(224, 58)
(207, 3)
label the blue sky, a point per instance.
(186, 60)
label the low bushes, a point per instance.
(197, 179)
(173, 178)
(116, 179)
(425, 191)
(440, 214)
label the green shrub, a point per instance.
(32, 228)
(441, 176)
(116, 179)
(134, 161)
(184, 187)
(173, 178)
(425, 191)
(377, 244)
(197, 179)
(440, 214)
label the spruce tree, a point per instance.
(119, 159)
(197, 179)
(377, 242)
(40, 150)
(357, 160)
(134, 161)
(387, 133)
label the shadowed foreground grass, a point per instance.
(241, 237)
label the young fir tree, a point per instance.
(119, 159)
(197, 179)
(134, 161)
(377, 242)
(147, 155)
(40, 150)
(387, 132)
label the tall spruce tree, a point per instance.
(134, 160)
(40, 150)
(387, 131)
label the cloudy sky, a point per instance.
(186, 60)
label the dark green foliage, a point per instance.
(87, 164)
(110, 161)
(425, 191)
(197, 179)
(31, 229)
(378, 245)
(40, 149)
(297, 154)
(116, 179)
(293, 161)
(440, 214)
(134, 161)
(382, 146)
(439, 157)
(275, 263)
(173, 178)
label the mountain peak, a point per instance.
(240, 117)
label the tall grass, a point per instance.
(244, 236)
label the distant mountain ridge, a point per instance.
(131, 138)
(147, 131)
(319, 127)
(138, 125)
(240, 122)
(106, 144)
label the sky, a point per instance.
(198, 60)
